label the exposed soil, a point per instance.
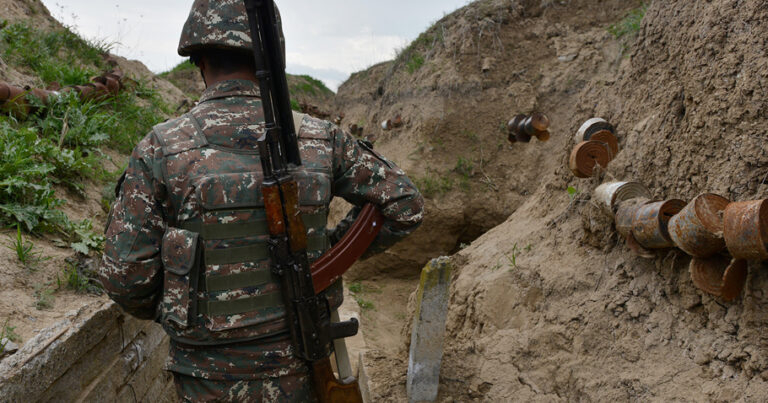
(549, 305)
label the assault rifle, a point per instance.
(308, 314)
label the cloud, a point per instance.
(331, 37)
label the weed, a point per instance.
(85, 239)
(183, 66)
(295, 105)
(431, 186)
(9, 332)
(513, 258)
(307, 85)
(78, 280)
(43, 297)
(365, 305)
(355, 287)
(59, 56)
(464, 167)
(572, 192)
(23, 249)
(61, 145)
(414, 63)
(626, 29)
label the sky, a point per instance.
(327, 39)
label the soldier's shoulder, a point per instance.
(314, 128)
(176, 135)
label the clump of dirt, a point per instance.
(549, 305)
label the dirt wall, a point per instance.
(579, 318)
(97, 353)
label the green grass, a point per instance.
(414, 56)
(8, 333)
(307, 85)
(626, 30)
(183, 66)
(23, 248)
(62, 145)
(59, 56)
(44, 297)
(365, 304)
(431, 185)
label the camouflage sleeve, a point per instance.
(363, 176)
(131, 269)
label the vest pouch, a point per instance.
(180, 256)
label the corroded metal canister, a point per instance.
(591, 127)
(610, 194)
(586, 156)
(608, 138)
(698, 228)
(522, 128)
(719, 276)
(746, 229)
(650, 224)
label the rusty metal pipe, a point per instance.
(650, 224)
(698, 228)
(746, 229)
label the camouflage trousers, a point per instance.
(291, 388)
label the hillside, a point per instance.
(60, 163)
(547, 304)
(306, 92)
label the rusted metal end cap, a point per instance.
(651, 221)
(543, 136)
(588, 154)
(719, 276)
(746, 229)
(698, 228)
(608, 138)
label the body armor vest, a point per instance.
(218, 285)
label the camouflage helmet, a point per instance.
(219, 24)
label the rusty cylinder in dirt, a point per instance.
(719, 276)
(611, 194)
(746, 229)
(591, 127)
(650, 224)
(587, 155)
(698, 228)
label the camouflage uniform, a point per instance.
(186, 238)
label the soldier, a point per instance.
(186, 238)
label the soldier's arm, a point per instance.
(131, 269)
(363, 176)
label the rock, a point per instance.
(428, 331)
(9, 347)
